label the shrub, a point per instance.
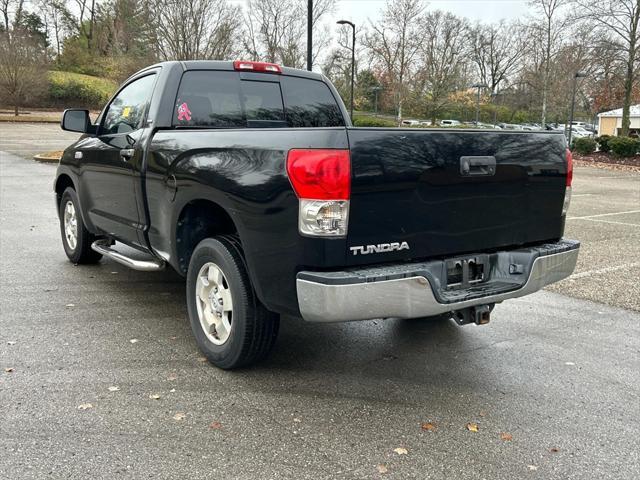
(77, 90)
(366, 121)
(584, 145)
(624, 146)
(603, 143)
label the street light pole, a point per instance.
(478, 86)
(494, 97)
(375, 91)
(353, 57)
(309, 35)
(573, 102)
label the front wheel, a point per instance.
(232, 328)
(76, 239)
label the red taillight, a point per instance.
(256, 67)
(569, 167)
(320, 174)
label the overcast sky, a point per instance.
(358, 11)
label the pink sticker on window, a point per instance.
(184, 114)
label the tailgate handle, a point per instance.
(477, 166)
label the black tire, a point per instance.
(254, 329)
(81, 252)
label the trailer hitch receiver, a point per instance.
(480, 315)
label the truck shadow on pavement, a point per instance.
(313, 359)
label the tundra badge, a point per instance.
(379, 248)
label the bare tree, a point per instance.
(276, 31)
(442, 57)
(87, 10)
(22, 68)
(11, 8)
(5, 5)
(395, 41)
(618, 21)
(54, 13)
(497, 51)
(195, 29)
(551, 29)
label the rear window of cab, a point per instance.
(220, 99)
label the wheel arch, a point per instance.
(63, 182)
(199, 219)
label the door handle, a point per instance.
(477, 166)
(126, 154)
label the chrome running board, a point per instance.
(150, 265)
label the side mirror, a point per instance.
(76, 120)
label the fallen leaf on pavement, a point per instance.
(8, 369)
(400, 451)
(114, 389)
(507, 437)
(472, 427)
(215, 426)
(429, 427)
(179, 416)
(133, 340)
(554, 450)
(154, 396)
(483, 413)
(85, 406)
(382, 468)
(532, 467)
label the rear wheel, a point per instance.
(232, 328)
(76, 239)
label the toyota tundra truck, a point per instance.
(249, 180)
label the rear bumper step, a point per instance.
(421, 290)
(147, 265)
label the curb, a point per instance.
(27, 120)
(43, 158)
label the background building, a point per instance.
(610, 123)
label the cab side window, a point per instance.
(127, 110)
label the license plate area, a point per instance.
(466, 271)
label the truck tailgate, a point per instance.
(450, 192)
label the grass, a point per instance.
(69, 87)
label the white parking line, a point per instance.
(603, 215)
(606, 221)
(631, 174)
(590, 273)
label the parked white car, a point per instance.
(488, 125)
(577, 131)
(449, 123)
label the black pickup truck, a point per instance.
(248, 179)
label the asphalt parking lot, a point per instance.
(105, 380)
(605, 217)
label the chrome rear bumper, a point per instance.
(364, 294)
